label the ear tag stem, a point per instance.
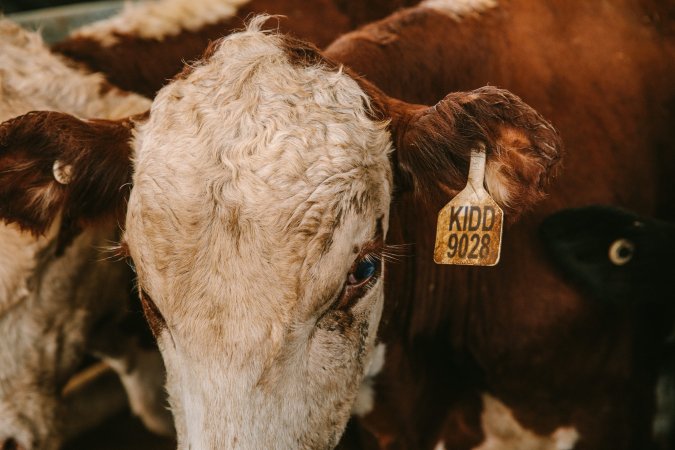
(469, 230)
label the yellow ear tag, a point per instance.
(469, 230)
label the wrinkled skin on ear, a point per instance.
(39, 149)
(617, 255)
(433, 146)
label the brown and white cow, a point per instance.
(60, 297)
(166, 33)
(262, 194)
(516, 357)
(145, 45)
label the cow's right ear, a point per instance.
(433, 146)
(52, 162)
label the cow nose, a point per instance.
(11, 444)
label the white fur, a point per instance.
(503, 432)
(47, 302)
(497, 182)
(458, 9)
(365, 399)
(158, 19)
(32, 78)
(662, 426)
(241, 173)
(440, 445)
(138, 370)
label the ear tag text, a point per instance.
(469, 230)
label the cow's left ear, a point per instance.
(433, 146)
(52, 162)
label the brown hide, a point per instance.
(145, 65)
(31, 196)
(604, 74)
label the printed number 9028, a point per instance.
(475, 245)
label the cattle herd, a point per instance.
(263, 179)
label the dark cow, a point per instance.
(626, 261)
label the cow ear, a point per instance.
(433, 146)
(52, 162)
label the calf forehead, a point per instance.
(252, 131)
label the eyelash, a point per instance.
(375, 252)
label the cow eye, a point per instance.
(621, 251)
(364, 270)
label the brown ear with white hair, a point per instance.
(52, 162)
(433, 146)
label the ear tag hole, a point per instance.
(469, 229)
(63, 173)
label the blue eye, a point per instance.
(364, 270)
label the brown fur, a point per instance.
(29, 194)
(606, 79)
(433, 144)
(145, 65)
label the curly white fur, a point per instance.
(255, 181)
(160, 19)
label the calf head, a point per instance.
(262, 184)
(616, 255)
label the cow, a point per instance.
(507, 357)
(263, 284)
(61, 296)
(618, 256)
(181, 30)
(516, 356)
(170, 32)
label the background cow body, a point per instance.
(60, 295)
(603, 72)
(170, 32)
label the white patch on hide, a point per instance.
(459, 8)
(142, 374)
(158, 19)
(440, 445)
(365, 399)
(664, 417)
(32, 78)
(503, 432)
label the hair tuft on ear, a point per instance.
(433, 146)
